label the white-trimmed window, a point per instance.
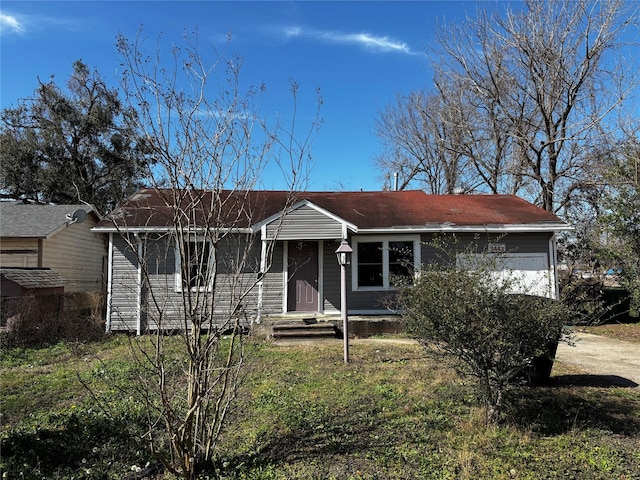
(198, 264)
(377, 261)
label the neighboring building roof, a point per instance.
(367, 211)
(35, 221)
(31, 278)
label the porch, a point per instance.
(307, 326)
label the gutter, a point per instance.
(136, 230)
(452, 228)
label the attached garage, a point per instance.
(531, 273)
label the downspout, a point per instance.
(344, 231)
(109, 283)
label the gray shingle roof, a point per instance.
(35, 221)
(33, 278)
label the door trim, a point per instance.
(285, 278)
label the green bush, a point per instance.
(492, 334)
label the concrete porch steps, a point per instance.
(305, 328)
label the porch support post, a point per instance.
(263, 270)
(109, 283)
(140, 252)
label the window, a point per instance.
(370, 265)
(401, 262)
(377, 261)
(197, 267)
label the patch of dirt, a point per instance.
(629, 332)
(604, 358)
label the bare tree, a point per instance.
(536, 87)
(211, 148)
(420, 136)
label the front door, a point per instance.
(302, 293)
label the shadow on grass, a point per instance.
(602, 381)
(360, 432)
(577, 402)
(69, 443)
(331, 437)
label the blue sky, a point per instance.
(359, 54)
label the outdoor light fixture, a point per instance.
(343, 253)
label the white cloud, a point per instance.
(366, 40)
(10, 24)
(22, 24)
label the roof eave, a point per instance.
(68, 223)
(130, 229)
(452, 228)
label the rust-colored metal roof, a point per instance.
(366, 210)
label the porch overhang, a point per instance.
(304, 221)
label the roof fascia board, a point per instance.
(470, 228)
(298, 205)
(67, 223)
(165, 230)
(30, 237)
(56, 230)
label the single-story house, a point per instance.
(55, 237)
(291, 241)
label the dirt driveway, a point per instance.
(606, 360)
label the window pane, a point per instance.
(197, 254)
(370, 264)
(370, 252)
(370, 275)
(400, 259)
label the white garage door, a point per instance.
(529, 272)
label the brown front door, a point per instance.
(302, 294)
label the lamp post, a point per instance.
(343, 253)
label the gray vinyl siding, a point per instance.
(367, 301)
(161, 303)
(124, 287)
(273, 282)
(356, 300)
(163, 300)
(305, 223)
(331, 278)
(514, 243)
